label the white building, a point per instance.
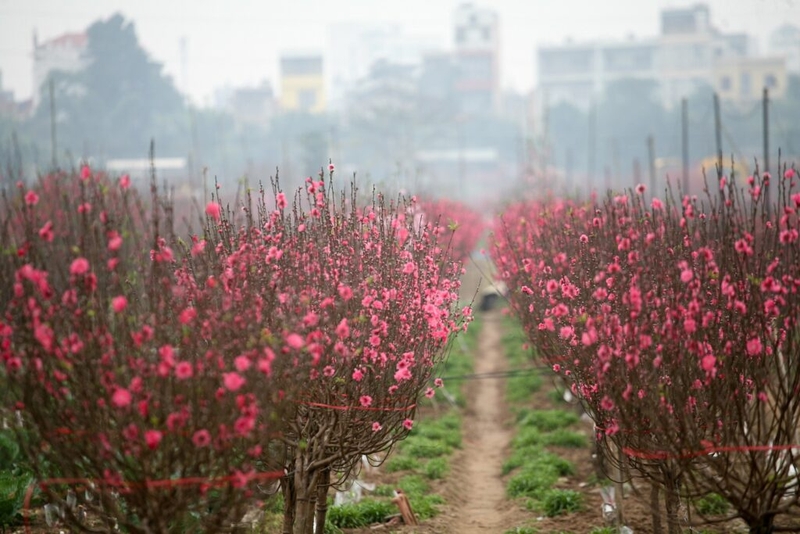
(477, 55)
(681, 59)
(577, 72)
(65, 53)
(689, 50)
(785, 41)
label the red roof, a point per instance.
(72, 40)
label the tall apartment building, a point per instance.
(477, 56)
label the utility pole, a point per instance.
(568, 165)
(53, 146)
(545, 138)
(718, 135)
(767, 185)
(685, 144)
(651, 156)
(592, 140)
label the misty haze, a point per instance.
(446, 105)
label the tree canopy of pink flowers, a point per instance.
(172, 373)
(676, 325)
(460, 227)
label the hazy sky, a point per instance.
(238, 42)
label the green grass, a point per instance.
(519, 388)
(14, 480)
(360, 514)
(384, 490)
(330, 528)
(712, 504)
(561, 502)
(522, 530)
(534, 471)
(436, 468)
(565, 438)
(446, 429)
(401, 462)
(526, 437)
(546, 420)
(538, 458)
(420, 447)
(425, 506)
(413, 485)
(531, 481)
(604, 530)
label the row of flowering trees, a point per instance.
(676, 324)
(461, 226)
(171, 374)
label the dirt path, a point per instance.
(486, 439)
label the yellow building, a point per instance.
(302, 84)
(743, 79)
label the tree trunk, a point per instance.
(305, 487)
(763, 525)
(322, 501)
(655, 508)
(289, 503)
(673, 504)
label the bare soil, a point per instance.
(486, 437)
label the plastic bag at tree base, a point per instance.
(609, 506)
(352, 493)
(609, 509)
(52, 513)
(72, 500)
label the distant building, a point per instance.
(8, 107)
(302, 83)
(743, 79)
(249, 105)
(576, 72)
(66, 53)
(438, 77)
(688, 54)
(477, 55)
(689, 49)
(354, 48)
(785, 41)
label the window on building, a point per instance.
(725, 83)
(770, 81)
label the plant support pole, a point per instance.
(766, 185)
(53, 145)
(685, 144)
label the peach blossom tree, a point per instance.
(368, 302)
(137, 364)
